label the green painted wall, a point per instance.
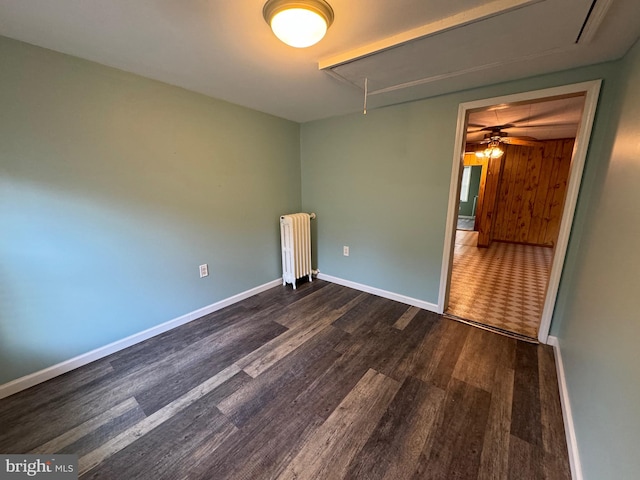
(466, 208)
(113, 189)
(600, 328)
(366, 178)
(380, 182)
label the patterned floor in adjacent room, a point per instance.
(502, 286)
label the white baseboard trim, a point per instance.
(572, 445)
(48, 373)
(432, 307)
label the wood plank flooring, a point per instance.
(324, 382)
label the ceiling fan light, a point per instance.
(490, 152)
(299, 24)
(496, 152)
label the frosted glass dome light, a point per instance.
(299, 24)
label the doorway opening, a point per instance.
(515, 179)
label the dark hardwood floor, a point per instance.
(323, 382)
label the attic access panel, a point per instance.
(536, 29)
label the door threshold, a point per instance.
(489, 328)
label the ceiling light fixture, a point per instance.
(300, 23)
(493, 150)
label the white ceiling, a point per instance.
(550, 119)
(224, 48)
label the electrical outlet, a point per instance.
(204, 270)
(345, 250)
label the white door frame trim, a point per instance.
(592, 91)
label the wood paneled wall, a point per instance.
(521, 196)
(531, 192)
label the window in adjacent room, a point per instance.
(464, 188)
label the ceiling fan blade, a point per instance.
(521, 141)
(497, 128)
(525, 137)
(547, 125)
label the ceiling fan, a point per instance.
(494, 137)
(495, 134)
